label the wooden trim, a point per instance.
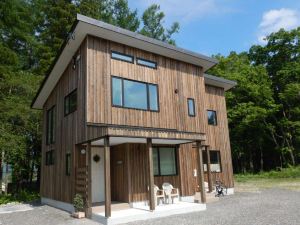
(89, 180)
(128, 172)
(150, 174)
(107, 177)
(209, 178)
(201, 173)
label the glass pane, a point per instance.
(73, 102)
(67, 106)
(117, 91)
(191, 107)
(53, 111)
(146, 63)
(167, 161)
(120, 56)
(135, 95)
(215, 161)
(155, 162)
(212, 117)
(153, 97)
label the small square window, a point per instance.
(215, 161)
(212, 117)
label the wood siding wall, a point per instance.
(217, 137)
(69, 130)
(170, 75)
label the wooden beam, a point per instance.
(89, 180)
(150, 174)
(201, 172)
(209, 177)
(107, 177)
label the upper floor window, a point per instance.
(71, 102)
(191, 107)
(147, 63)
(164, 161)
(215, 161)
(121, 56)
(134, 94)
(212, 117)
(50, 134)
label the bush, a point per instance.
(78, 203)
(290, 172)
(22, 196)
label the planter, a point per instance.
(78, 215)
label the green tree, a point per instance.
(153, 25)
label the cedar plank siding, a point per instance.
(70, 130)
(170, 75)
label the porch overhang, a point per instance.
(119, 134)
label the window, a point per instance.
(147, 63)
(212, 117)
(50, 134)
(121, 56)
(164, 161)
(215, 160)
(191, 106)
(134, 94)
(71, 102)
(49, 157)
(68, 164)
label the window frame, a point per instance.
(146, 60)
(194, 107)
(51, 139)
(68, 164)
(49, 157)
(123, 96)
(67, 98)
(120, 53)
(204, 156)
(175, 149)
(216, 117)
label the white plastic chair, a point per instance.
(158, 194)
(170, 192)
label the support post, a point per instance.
(107, 177)
(89, 180)
(209, 178)
(150, 174)
(201, 172)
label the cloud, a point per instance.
(188, 10)
(275, 19)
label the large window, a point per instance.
(50, 134)
(212, 117)
(71, 102)
(191, 107)
(134, 94)
(215, 161)
(164, 161)
(49, 157)
(147, 63)
(121, 56)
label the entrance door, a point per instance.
(98, 174)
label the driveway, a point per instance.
(268, 207)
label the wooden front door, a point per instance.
(119, 178)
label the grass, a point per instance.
(23, 196)
(288, 178)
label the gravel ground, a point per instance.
(268, 207)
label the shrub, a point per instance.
(78, 203)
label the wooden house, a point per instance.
(123, 112)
